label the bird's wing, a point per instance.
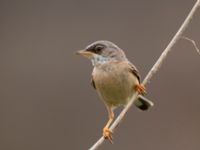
(92, 82)
(134, 70)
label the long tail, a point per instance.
(143, 103)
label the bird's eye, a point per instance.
(98, 48)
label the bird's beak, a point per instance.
(84, 53)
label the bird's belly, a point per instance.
(114, 96)
(115, 89)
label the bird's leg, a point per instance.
(106, 131)
(140, 89)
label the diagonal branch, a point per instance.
(153, 70)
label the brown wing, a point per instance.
(134, 71)
(93, 83)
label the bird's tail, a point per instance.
(143, 103)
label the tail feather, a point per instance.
(143, 103)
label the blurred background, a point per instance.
(46, 100)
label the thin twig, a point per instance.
(151, 72)
(193, 43)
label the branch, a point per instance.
(153, 70)
(193, 43)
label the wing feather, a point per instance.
(93, 83)
(134, 71)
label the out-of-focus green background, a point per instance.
(46, 101)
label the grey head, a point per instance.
(101, 52)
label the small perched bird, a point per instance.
(114, 78)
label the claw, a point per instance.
(140, 89)
(107, 134)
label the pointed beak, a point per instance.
(84, 53)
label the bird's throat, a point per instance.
(98, 60)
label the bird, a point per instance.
(115, 79)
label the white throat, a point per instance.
(97, 59)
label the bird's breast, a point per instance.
(114, 84)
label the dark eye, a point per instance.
(98, 48)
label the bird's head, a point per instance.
(101, 52)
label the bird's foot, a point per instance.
(107, 134)
(140, 89)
